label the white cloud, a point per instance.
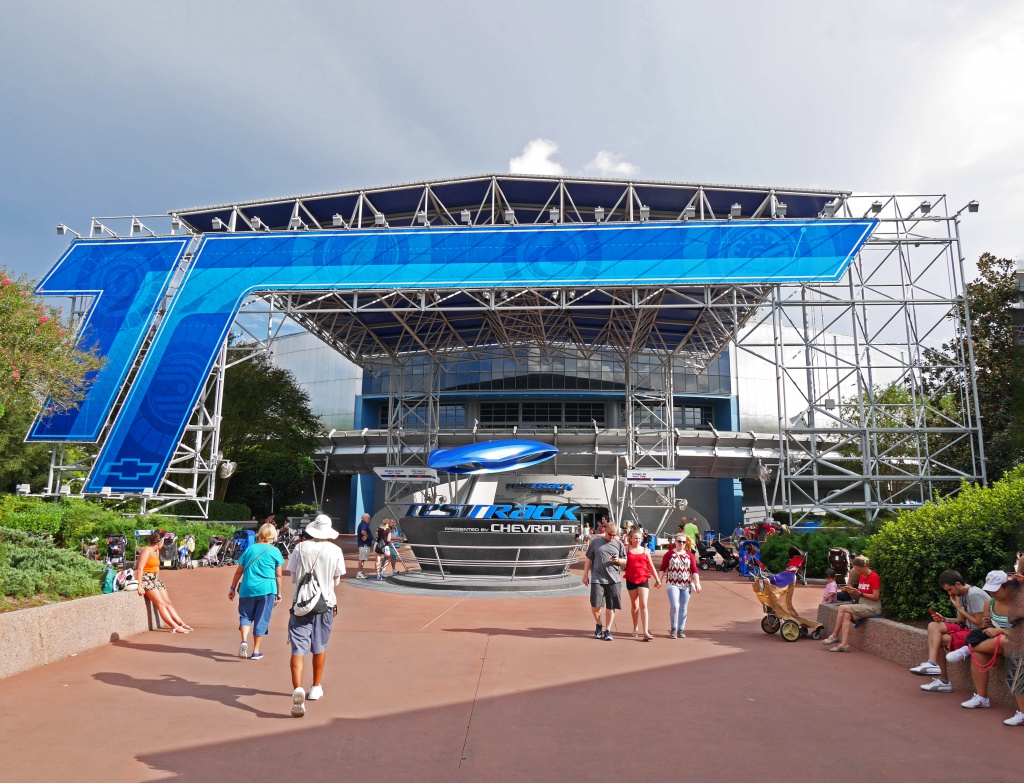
(610, 164)
(536, 159)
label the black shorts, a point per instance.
(605, 596)
(634, 585)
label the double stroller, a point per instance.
(775, 592)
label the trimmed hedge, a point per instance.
(775, 549)
(973, 532)
(69, 520)
(34, 566)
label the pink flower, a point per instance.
(44, 319)
(15, 373)
(6, 282)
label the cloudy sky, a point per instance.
(126, 107)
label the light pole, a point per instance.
(265, 484)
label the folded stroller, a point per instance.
(117, 546)
(240, 541)
(839, 561)
(729, 559)
(169, 550)
(214, 553)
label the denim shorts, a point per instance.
(310, 633)
(256, 611)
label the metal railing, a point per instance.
(513, 565)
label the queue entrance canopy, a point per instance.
(664, 286)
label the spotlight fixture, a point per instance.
(735, 211)
(175, 223)
(780, 209)
(690, 212)
(830, 209)
(98, 229)
(598, 214)
(217, 224)
(467, 216)
(572, 294)
(510, 216)
(62, 230)
(926, 207)
(553, 215)
(338, 221)
(972, 206)
(378, 219)
(876, 207)
(421, 218)
(645, 213)
(257, 224)
(295, 223)
(556, 295)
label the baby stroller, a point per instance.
(839, 561)
(169, 550)
(729, 559)
(287, 538)
(706, 556)
(215, 552)
(117, 546)
(91, 548)
(240, 541)
(188, 546)
(776, 596)
(750, 564)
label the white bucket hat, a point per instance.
(994, 580)
(321, 527)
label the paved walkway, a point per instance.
(450, 688)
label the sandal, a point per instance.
(648, 638)
(840, 648)
(179, 629)
(636, 634)
(830, 640)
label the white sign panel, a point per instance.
(407, 473)
(655, 477)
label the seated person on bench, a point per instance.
(868, 592)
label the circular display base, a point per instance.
(416, 582)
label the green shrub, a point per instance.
(775, 549)
(972, 532)
(34, 566)
(220, 511)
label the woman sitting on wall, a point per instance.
(867, 593)
(152, 588)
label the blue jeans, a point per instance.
(678, 598)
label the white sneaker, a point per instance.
(316, 692)
(1016, 720)
(926, 669)
(243, 650)
(959, 654)
(975, 702)
(937, 686)
(298, 703)
(360, 575)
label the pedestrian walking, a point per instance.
(316, 565)
(150, 586)
(380, 547)
(639, 572)
(605, 557)
(680, 575)
(257, 582)
(364, 540)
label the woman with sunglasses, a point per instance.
(680, 575)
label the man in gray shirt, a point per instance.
(969, 603)
(605, 557)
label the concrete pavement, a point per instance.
(453, 688)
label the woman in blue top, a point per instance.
(259, 570)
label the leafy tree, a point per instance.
(40, 357)
(998, 367)
(268, 428)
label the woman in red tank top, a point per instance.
(639, 570)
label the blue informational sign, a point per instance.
(128, 279)
(228, 268)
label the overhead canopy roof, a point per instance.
(488, 197)
(666, 307)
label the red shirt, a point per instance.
(637, 568)
(868, 584)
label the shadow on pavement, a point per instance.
(214, 655)
(174, 686)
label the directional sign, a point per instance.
(655, 477)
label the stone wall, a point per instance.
(33, 637)
(908, 646)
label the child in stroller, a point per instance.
(188, 546)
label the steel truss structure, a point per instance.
(837, 347)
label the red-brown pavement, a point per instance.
(437, 688)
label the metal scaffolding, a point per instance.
(857, 428)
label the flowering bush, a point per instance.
(40, 358)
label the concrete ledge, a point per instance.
(908, 646)
(44, 634)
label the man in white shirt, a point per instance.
(310, 632)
